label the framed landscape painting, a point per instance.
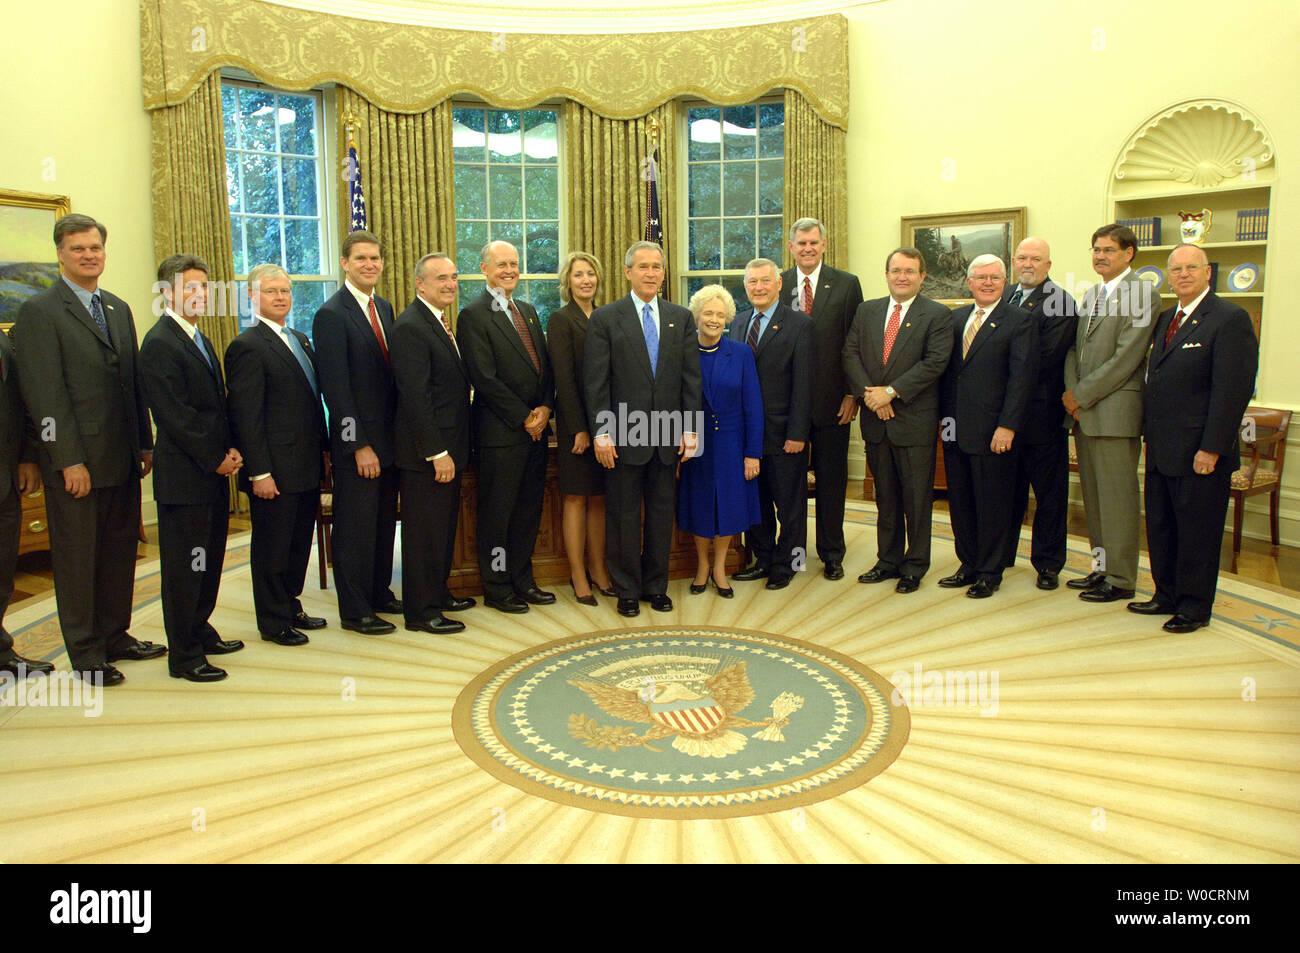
(27, 260)
(950, 242)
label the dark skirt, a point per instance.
(578, 474)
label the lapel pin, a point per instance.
(672, 325)
(907, 324)
(110, 308)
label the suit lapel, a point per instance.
(719, 371)
(904, 329)
(362, 320)
(78, 311)
(281, 350)
(187, 344)
(440, 334)
(985, 332)
(635, 334)
(1203, 314)
(505, 324)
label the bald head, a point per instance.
(500, 264)
(1031, 262)
(1189, 272)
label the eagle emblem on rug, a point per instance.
(693, 699)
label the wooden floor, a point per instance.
(1112, 742)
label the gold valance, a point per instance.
(404, 68)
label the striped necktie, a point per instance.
(971, 331)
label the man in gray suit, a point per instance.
(1104, 374)
(78, 352)
(894, 355)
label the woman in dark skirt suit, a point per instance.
(581, 479)
(718, 495)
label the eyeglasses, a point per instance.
(902, 272)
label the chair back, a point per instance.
(1269, 426)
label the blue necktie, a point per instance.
(651, 337)
(1018, 298)
(752, 338)
(97, 312)
(198, 340)
(301, 355)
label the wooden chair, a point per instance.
(1269, 444)
(324, 523)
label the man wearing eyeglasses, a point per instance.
(893, 357)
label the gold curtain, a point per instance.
(607, 159)
(406, 173)
(190, 212)
(816, 176)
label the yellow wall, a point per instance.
(1012, 92)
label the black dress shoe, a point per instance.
(511, 603)
(438, 625)
(777, 582)
(106, 675)
(833, 570)
(223, 647)
(203, 672)
(958, 579)
(587, 600)
(309, 622)
(878, 574)
(982, 589)
(138, 652)
(1090, 581)
(660, 603)
(459, 604)
(698, 587)
(726, 593)
(536, 596)
(369, 625)
(286, 636)
(1181, 623)
(11, 662)
(749, 575)
(628, 607)
(608, 592)
(1106, 593)
(391, 607)
(1151, 607)
(1048, 579)
(907, 584)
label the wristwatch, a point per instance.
(890, 391)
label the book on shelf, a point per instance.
(1252, 224)
(1147, 230)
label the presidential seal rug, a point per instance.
(681, 723)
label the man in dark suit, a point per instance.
(1043, 461)
(433, 427)
(893, 357)
(830, 297)
(78, 353)
(502, 344)
(181, 377)
(983, 398)
(643, 386)
(350, 336)
(19, 475)
(1105, 373)
(1199, 382)
(278, 425)
(782, 342)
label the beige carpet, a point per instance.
(1106, 740)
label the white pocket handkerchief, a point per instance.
(1192, 344)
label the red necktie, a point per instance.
(1173, 327)
(891, 331)
(524, 335)
(807, 296)
(379, 334)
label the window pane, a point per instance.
(771, 131)
(512, 232)
(470, 239)
(543, 255)
(505, 192)
(543, 192)
(302, 246)
(739, 132)
(230, 115)
(469, 144)
(706, 237)
(299, 186)
(771, 239)
(263, 241)
(736, 285)
(237, 240)
(738, 242)
(540, 135)
(706, 190)
(738, 188)
(298, 125)
(505, 136)
(261, 192)
(544, 296)
(256, 119)
(308, 296)
(771, 184)
(470, 289)
(232, 187)
(471, 191)
(705, 134)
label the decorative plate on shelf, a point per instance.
(1152, 274)
(1243, 277)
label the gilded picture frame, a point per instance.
(27, 260)
(950, 241)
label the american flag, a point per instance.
(654, 231)
(358, 198)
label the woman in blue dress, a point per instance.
(718, 495)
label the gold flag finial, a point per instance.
(652, 128)
(350, 122)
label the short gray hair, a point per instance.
(982, 260)
(636, 247)
(419, 265)
(803, 224)
(707, 294)
(267, 270)
(1180, 245)
(761, 263)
